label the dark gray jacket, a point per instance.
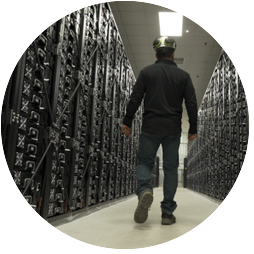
(163, 86)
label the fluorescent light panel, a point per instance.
(171, 24)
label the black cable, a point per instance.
(63, 176)
(42, 158)
(87, 164)
(74, 92)
(43, 82)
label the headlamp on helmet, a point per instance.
(164, 42)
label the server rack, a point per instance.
(215, 158)
(62, 114)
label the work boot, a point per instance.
(167, 219)
(145, 201)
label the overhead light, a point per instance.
(171, 24)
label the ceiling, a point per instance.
(138, 24)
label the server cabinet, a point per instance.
(62, 114)
(215, 158)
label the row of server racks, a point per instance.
(215, 158)
(62, 115)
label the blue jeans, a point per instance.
(148, 146)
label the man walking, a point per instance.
(163, 86)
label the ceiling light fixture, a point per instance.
(171, 24)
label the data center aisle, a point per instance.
(114, 227)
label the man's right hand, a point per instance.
(191, 137)
(126, 130)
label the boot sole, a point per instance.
(141, 213)
(168, 222)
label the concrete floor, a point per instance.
(114, 227)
